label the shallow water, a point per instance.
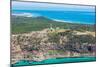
(55, 61)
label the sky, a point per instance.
(50, 7)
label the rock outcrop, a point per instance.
(41, 45)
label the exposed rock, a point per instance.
(41, 45)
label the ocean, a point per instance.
(82, 17)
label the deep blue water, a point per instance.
(71, 16)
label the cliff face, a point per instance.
(40, 45)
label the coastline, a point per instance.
(55, 61)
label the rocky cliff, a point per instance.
(41, 45)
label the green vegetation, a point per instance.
(28, 24)
(56, 52)
(54, 37)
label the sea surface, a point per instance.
(82, 17)
(55, 61)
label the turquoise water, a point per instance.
(70, 16)
(55, 61)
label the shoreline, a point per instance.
(57, 61)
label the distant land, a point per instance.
(23, 24)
